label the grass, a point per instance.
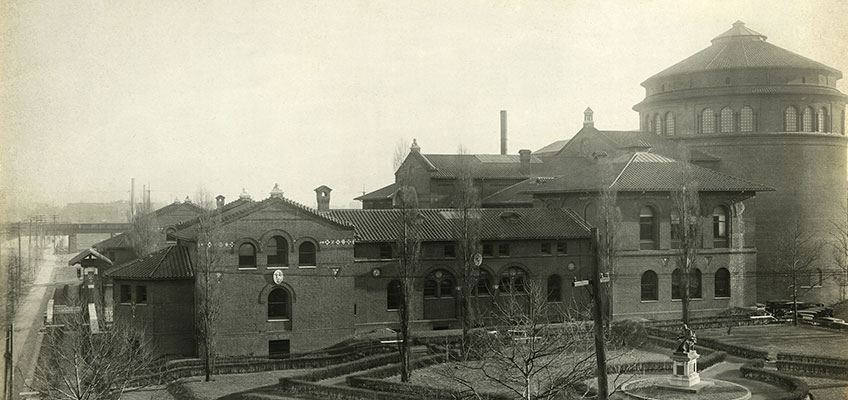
(222, 385)
(449, 375)
(785, 338)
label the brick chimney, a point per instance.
(415, 148)
(524, 156)
(219, 201)
(503, 132)
(322, 194)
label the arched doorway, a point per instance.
(439, 295)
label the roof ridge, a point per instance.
(633, 157)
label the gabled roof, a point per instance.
(119, 241)
(492, 166)
(176, 206)
(383, 193)
(172, 262)
(515, 195)
(639, 140)
(495, 224)
(248, 207)
(552, 148)
(89, 253)
(642, 171)
(741, 47)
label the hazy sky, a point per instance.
(230, 95)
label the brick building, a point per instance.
(291, 278)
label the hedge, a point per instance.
(350, 367)
(813, 369)
(797, 388)
(804, 358)
(733, 349)
(712, 322)
(291, 385)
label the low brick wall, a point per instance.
(801, 364)
(350, 367)
(797, 388)
(710, 322)
(418, 391)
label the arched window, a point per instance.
(484, 284)
(790, 120)
(708, 121)
(821, 121)
(512, 281)
(277, 250)
(722, 283)
(694, 284)
(247, 256)
(807, 120)
(721, 239)
(554, 288)
(746, 119)
(676, 232)
(394, 297)
(439, 285)
(647, 228)
(306, 254)
(726, 120)
(279, 304)
(658, 122)
(169, 235)
(669, 123)
(650, 122)
(650, 285)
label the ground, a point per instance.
(785, 338)
(223, 385)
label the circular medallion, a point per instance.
(278, 277)
(571, 266)
(478, 259)
(376, 272)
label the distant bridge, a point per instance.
(70, 230)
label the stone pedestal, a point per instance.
(685, 370)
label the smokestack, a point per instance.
(322, 194)
(524, 156)
(503, 132)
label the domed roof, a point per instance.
(741, 47)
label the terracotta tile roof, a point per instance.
(491, 166)
(643, 171)
(495, 224)
(383, 193)
(172, 262)
(514, 195)
(741, 47)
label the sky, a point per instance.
(225, 96)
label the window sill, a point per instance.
(392, 310)
(278, 267)
(307, 266)
(247, 268)
(722, 297)
(279, 320)
(650, 301)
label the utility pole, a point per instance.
(598, 285)
(132, 199)
(29, 247)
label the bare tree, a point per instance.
(466, 229)
(80, 363)
(144, 235)
(528, 355)
(686, 232)
(796, 253)
(203, 198)
(409, 254)
(839, 246)
(211, 248)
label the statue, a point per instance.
(686, 340)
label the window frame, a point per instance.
(669, 123)
(554, 289)
(140, 293)
(645, 243)
(790, 119)
(394, 295)
(746, 119)
(649, 290)
(286, 305)
(125, 294)
(721, 241)
(300, 255)
(503, 249)
(726, 120)
(271, 259)
(708, 119)
(243, 259)
(721, 284)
